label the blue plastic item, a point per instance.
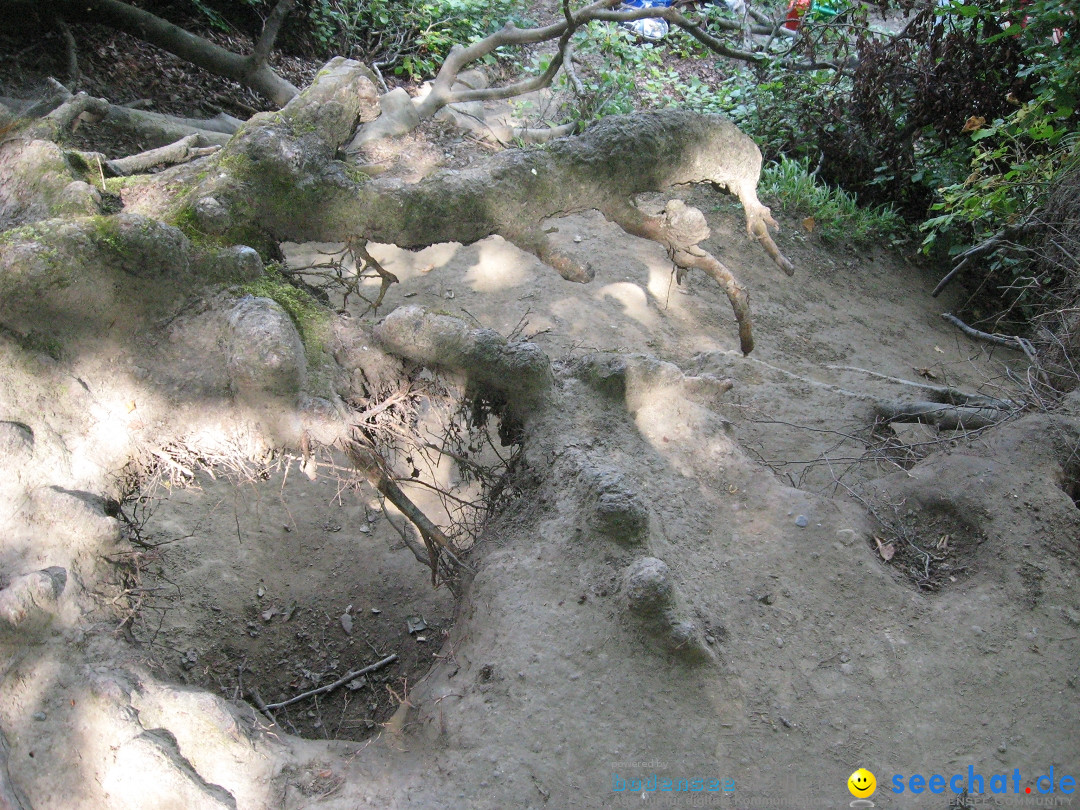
(650, 28)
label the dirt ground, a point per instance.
(825, 657)
(772, 652)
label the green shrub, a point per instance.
(411, 37)
(837, 214)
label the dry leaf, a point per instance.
(130, 406)
(927, 373)
(886, 550)
(809, 224)
(939, 349)
(974, 123)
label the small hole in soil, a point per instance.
(932, 548)
(1071, 486)
(280, 586)
(270, 587)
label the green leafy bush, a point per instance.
(836, 213)
(412, 36)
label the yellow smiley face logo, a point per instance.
(862, 784)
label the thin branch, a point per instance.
(267, 707)
(988, 245)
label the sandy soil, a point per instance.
(825, 657)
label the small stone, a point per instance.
(1002, 748)
(847, 668)
(346, 623)
(648, 586)
(376, 611)
(261, 592)
(39, 716)
(801, 521)
(779, 642)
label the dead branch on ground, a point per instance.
(252, 71)
(1013, 342)
(344, 679)
(182, 151)
(941, 416)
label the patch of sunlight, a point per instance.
(499, 266)
(407, 264)
(634, 301)
(662, 285)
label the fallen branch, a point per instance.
(184, 150)
(251, 71)
(989, 245)
(937, 414)
(1013, 342)
(368, 462)
(268, 707)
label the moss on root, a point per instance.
(312, 320)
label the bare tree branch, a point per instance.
(985, 247)
(270, 32)
(153, 29)
(443, 93)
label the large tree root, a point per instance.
(53, 116)
(279, 179)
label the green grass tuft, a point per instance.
(837, 213)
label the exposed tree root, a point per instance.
(61, 110)
(287, 185)
(1009, 342)
(942, 416)
(185, 149)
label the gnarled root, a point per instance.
(679, 230)
(759, 220)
